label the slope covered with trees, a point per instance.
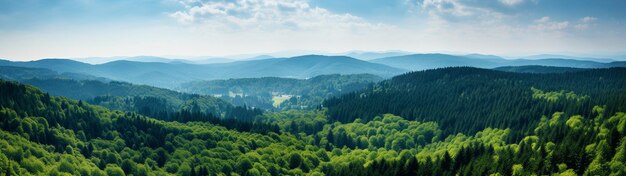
(295, 93)
(23, 73)
(155, 102)
(48, 135)
(111, 94)
(470, 99)
(537, 69)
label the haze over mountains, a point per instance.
(430, 61)
(170, 73)
(173, 73)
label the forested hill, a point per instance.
(281, 93)
(47, 135)
(537, 69)
(23, 73)
(127, 96)
(151, 101)
(147, 100)
(467, 100)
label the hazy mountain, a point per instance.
(617, 64)
(620, 57)
(302, 67)
(484, 56)
(172, 74)
(101, 60)
(558, 62)
(23, 73)
(152, 59)
(211, 60)
(363, 55)
(218, 60)
(537, 69)
(260, 57)
(19, 73)
(548, 56)
(431, 61)
(60, 65)
(151, 73)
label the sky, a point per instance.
(35, 29)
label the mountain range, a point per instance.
(170, 73)
(431, 61)
(174, 73)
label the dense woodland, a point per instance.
(454, 121)
(467, 100)
(129, 97)
(259, 92)
(155, 102)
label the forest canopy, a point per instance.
(572, 129)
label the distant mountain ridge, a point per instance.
(22, 73)
(303, 67)
(172, 74)
(431, 61)
(363, 55)
(543, 56)
(169, 75)
(538, 69)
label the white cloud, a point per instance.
(453, 7)
(588, 19)
(546, 24)
(585, 22)
(543, 19)
(511, 2)
(267, 15)
(459, 11)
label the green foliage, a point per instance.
(468, 100)
(113, 170)
(155, 102)
(299, 93)
(555, 96)
(47, 135)
(126, 96)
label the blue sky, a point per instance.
(33, 29)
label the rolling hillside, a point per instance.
(431, 61)
(170, 75)
(281, 93)
(302, 67)
(116, 95)
(537, 69)
(457, 97)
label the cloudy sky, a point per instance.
(33, 29)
